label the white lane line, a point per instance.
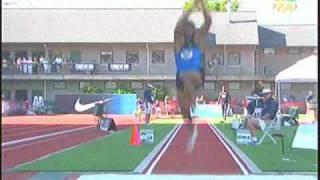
(154, 163)
(148, 159)
(63, 150)
(42, 136)
(235, 158)
(35, 142)
(28, 126)
(39, 129)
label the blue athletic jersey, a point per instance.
(189, 59)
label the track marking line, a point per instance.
(235, 158)
(250, 165)
(6, 130)
(63, 150)
(36, 130)
(148, 159)
(40, 141)
(42, 136)
(154, 163)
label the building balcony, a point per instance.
(90, 71)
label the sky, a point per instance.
(306, 12)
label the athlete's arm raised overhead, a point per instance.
(201, 36)
(179, 30)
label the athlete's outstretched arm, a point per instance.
(179, 30)
(201, 37)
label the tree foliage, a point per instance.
(213, 5)
(159, 93)
(91, 89)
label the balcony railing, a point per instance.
(125, 69)
(76, 68)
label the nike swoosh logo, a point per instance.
(84, 107)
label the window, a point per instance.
(5, 55)
(84, 84)
(106, 57)
(285, 86)
(158, 84)
(209, 85)
(136, 85)
(37, 54)
(5, 59)
(36, 92)
(267, 85)
(6, 94)
(269, 51)
(315, 50)
(294, 50)
(110, 85)
(234, 86)
(21, 54)
(132, 57)
(53, 54)
(75, 56)
(158, 57)
(216, 58)
(234, 59)
(59, 85)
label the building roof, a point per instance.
(288, 35)
(118, 26)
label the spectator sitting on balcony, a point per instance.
(58, 62)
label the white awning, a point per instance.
(305, 70)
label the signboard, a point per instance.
(284, 6)
(147, 136)
(243, 136)
(119, 67)
(84, 67)
(105, 124)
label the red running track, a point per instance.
(208, 157)
(22, 153)
(28, 131)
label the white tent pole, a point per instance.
(279, 97)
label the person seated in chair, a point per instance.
(269, 111)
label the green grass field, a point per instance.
(111, 153)
(268, 156)
(114, 153)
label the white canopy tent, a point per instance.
(304, 70)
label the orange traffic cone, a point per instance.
(135, 136)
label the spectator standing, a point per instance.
(148, 100)
(35, 65)
(19, 64)
(25, 65)
(29, 65)
(224, 99)
(259, 88)
(309, 101)
(58, 62)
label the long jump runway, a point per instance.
(210, 155)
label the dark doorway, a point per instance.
(21, 95)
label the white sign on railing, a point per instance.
(119, 67)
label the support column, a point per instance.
(148, 62)
(44, 90)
